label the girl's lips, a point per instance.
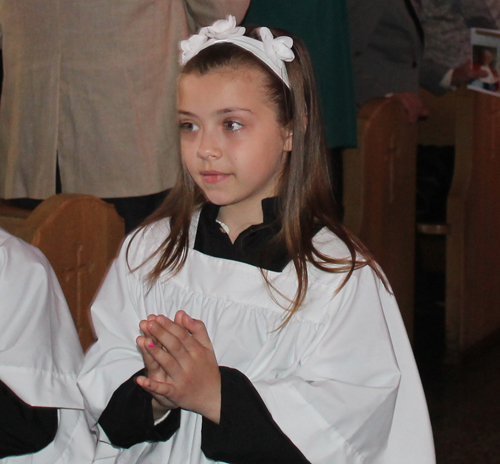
(213, 177)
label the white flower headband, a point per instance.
(272, 51)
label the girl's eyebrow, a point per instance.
(232, 110)
(222, 111)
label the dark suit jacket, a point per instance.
(387, 47)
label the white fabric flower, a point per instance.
(192, 46)
(223, 28)
(277, 49)
(272, 51)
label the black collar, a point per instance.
(270, 211)
(253, 246)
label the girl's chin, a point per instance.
(214, 197)
(217, 201)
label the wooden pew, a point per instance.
(379, 194)
(472, 227)
(79, 235)
(473, 216)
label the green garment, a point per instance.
(323, 26)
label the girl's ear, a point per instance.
(288, 145)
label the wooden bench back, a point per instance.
(79, 235)
(379, 194)
(473, 215)
(440, 126)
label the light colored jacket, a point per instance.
(91, 84)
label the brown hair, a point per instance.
(305, 192)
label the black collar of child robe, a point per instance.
(253, 246)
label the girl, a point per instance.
(268, 334)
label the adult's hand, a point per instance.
(464, 74)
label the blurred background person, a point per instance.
(448, 48)
(324, 27)
(400, 45)
(88, 98)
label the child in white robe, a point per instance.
(244, 324)
(41, 408)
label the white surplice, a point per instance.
(40, 354)
(339, 379)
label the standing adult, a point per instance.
(387, 44)
(89, 87)
(323, 26)
(400, 45)
(447, 37)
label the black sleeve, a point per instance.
(247, 432)
(24, 429)
(128, 417)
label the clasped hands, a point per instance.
(182, 370)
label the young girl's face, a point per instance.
(232, 145)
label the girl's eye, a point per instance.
(188, 127)
(232, 125)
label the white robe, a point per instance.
(40, 354)
(340, 378)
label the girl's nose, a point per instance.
(209, 148)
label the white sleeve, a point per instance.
(358, 387)
(115, 357)
(38, 366)
(446, 80)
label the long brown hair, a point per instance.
(304, 193)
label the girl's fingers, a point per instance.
(172, 327)
(196, 328)
(153, 387)
(142, 342)
(159, 364)
(186, 329)
(179, 317)
(173, 337)
(149, 361)
(165, 360)
(180, 338)
(143, 325)
(163, 402)
(161, 350)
